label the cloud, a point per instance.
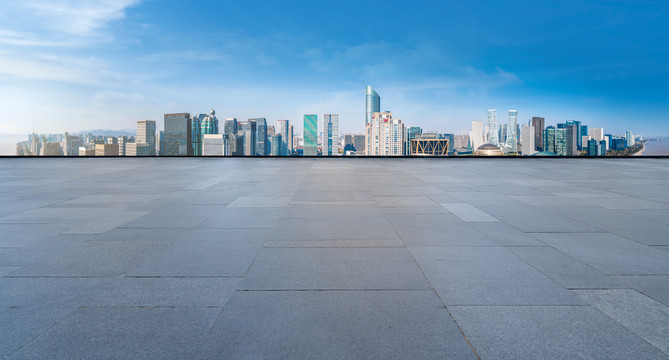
(58, 22)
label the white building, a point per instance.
(384, 135)
(596, 133)
(330, 134)
(213, 145)
(527, 140)
(476, 135)
(492, 136)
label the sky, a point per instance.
(69, 65)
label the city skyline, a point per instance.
(116, 62)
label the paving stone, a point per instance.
(333, 268)
(642, 315)
(124, 333)
(333, 229)
(653, 286)
(243, 218)
(261, 201)
(334, 243)
(609, 253)
(487, 276)
(468, 213)
(506, 235)
(309, 324)
(174, 217)
(549, 332)
(166, 291)
(564, 269)
(437, 230)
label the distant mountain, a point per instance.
(107, 132)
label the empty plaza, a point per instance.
(341, 258)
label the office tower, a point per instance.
(261, 136)
(594, 148)
(230, 126)
(271, 131)
(283, 131)
(411, 133)
(476, 135)
(310, 138)
(602, 148)
(512, 132)
(52, 148)
(538, 124)
(450, 138)
(572, 139)
(213, 144)
(597, 133)
(276, 145)
(106, 149)
(330, 136)
(139, 149)
(502, 134)
(561, 141)
(630, 138)
(549, 140)
(249, 137)
(234, 145)
(584, 141)
(146, 134)
(608, 138)
(491, 136)
(177, 135)
(195, 148)
(160, 146)
(577, 134)
(461, 141)
(290, 141)
(584, 132)
(527, 140)
(354, 143)
(372, 104)
(384, 136)
(209, 124)
(70, 145)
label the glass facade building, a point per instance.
(491, 136)
(261, 147)
(177, 135)
(310, 135)
(372, 104)
(330, 138)
(512, 135)
(549, 140)
(538, 123)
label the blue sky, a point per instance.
(73, 65)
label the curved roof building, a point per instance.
(488, 150)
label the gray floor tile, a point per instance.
(506, 235)
(334, 229)
(534, 219)
(549, 332)
(334, 243)
(437, 230)
(487, 276)
(406, 200)
(333, 268)
(260, 201)
(308, 324)
(610, 253)
(642, 315)
(166, 291)
(654, 286)
(243, 218)
(174, 217)
(332, 211)
(124, 333)
(468, 213)
(564, 269)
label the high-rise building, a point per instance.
(411, 133)
(290, 141)
(146, 134)
(502, 133)
(208, 126)
(70, 145)
(572, 139)
(491, 136)
(195, 148)
(249, 137)
(561, 140)
(276, 145)
(538, 124)
(476, 135)
(354, 143)
(177, 136)
(161, 143)
(261, 136)
(512, 135)
(549, 140)
(629, 137)
(330, 137)
(577, 134)
(597, 133)
(527, 146)
(213, 144)
(594, 147)
(54, 149)
(310, 135)
(384, 136)
(106, 149)
(372, 103)
(230, 126)
(139, 149)
(283, 131)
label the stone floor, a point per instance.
(334, 258)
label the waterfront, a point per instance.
(655, 148)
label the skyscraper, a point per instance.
(549, 139)
(561, 140)
(577, 123)
(248, 129)
(512, 136)
(276, 145)
(572, 139)
(597, 134)
(384, 136)
(283, 131)
(177, 134)
(289, 140)
(491, 136)
(476, 135)
(310, 135)
(146, 134)
(538, 124)
(209, 124)
(527, 140)
(629, 137)
(330, 138)
(261, 136)
(230, 126)
(196, 135)
(372, 103)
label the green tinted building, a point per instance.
(310, 135)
